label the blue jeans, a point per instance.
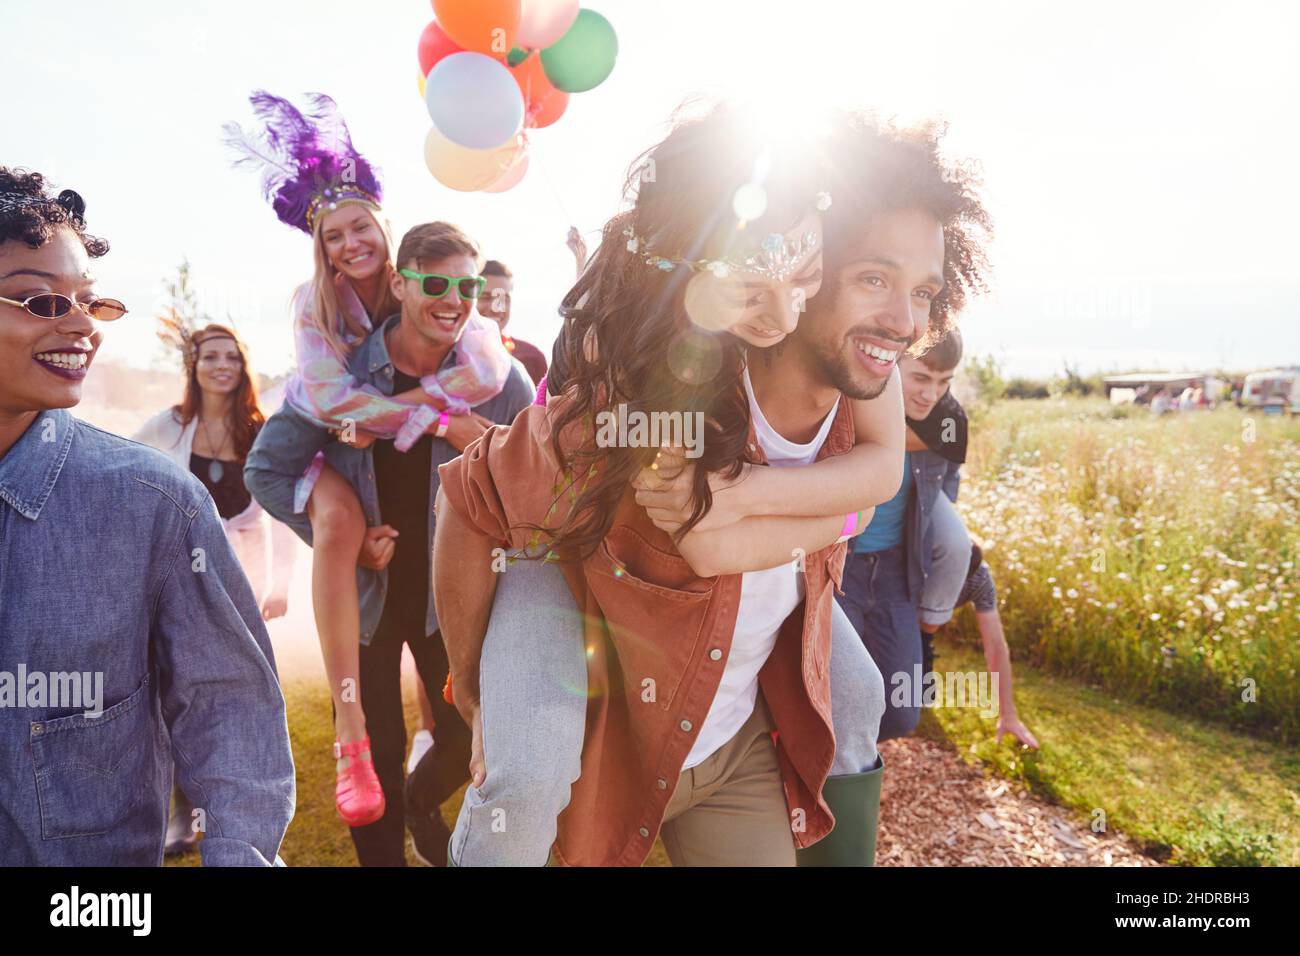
(533, 704)
(876, 602)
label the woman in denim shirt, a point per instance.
(129, 636)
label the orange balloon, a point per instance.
(482, 26)
(543, 103)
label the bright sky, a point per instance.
(1140, 157)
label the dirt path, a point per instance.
(938, 811)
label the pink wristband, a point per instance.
(850, 524)
(443, 420)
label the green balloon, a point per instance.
(517, 55)
(582, 58)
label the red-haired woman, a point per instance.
(209, 434)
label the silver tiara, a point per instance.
(777, 258)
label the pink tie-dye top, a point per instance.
(325, 391)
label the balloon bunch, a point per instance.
(490, 70)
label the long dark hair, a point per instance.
(245, 418)
(627, 337)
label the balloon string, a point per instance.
(550, 184)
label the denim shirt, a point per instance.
(931, 474)
(288, 442)
(114, 567)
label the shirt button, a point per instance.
(715, 654)
(686, 725)
(644, 832)
(661, 783)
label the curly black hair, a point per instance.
(877, 166)
(29, 214)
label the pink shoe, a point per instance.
(357, 794)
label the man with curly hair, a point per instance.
(654, 625)
(134, 637)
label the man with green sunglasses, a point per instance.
(434, 285)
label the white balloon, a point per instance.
(473, 100)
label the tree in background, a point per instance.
(180, 315)
(1072, 383)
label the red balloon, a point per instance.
(434, 45)
(543, 103)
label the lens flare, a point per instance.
(695, 357)
(749, 202)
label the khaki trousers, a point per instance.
(730, 810)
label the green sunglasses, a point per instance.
(435, 286)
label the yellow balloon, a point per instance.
(422, 81)
(468, 170)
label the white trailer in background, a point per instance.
(1122, 389)
(1275, 391)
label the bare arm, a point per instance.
(867, 476)
(762, 541)
(998, 658)
(578, 247)
(464, 586)
(814, 499)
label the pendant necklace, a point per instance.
(215, 469)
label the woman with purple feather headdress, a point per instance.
(317, 182)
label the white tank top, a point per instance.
(767, 598)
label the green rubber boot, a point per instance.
(854, 799)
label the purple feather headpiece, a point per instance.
(308, 163)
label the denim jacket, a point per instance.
(114, 567)
(288, 442)
(931, 474)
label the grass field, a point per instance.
(1156, 557)
(1189, 791)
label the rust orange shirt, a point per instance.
(657, 638)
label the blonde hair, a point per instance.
(324, 310)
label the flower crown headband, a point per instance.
(777, 257)
(181, 334)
